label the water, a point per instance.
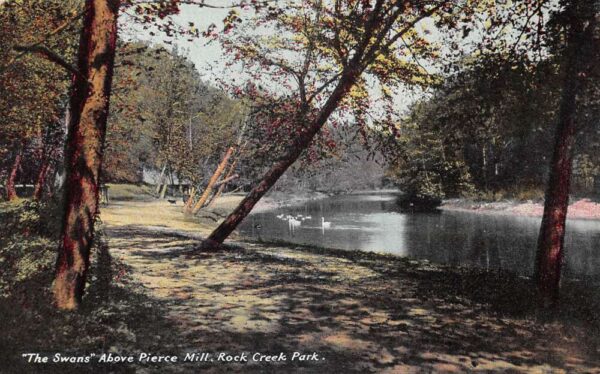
(374, 223)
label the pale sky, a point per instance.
(205, 56)
(208, 58)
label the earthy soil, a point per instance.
(360, 312)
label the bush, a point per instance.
(28, 243)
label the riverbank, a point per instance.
(361, 312)
(578, 209)
(153, 290)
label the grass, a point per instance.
(117, 316)
(130, 192)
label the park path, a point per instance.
(359, 312)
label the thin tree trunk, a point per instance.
(41, 178)
(11, 192)
(163, 191)
(160, 178)
(549, 254)
(484, 168)
(89, 104)
(226, 180)
(190, 199)
(222, 186)
(48, 152)
(213, 179)
(188, 204)
(268, 180)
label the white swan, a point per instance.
(292, 224)
(325, 224)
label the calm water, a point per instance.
(374, 223)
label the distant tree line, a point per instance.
(487, 132)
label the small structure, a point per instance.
(104, 194)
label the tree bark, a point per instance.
(163, 191)
(224, 182)
(160, 178)
(41, 178)
(190, 199)
(268, 180)
(213, 179)
(48, 153)
(89, 104)
(549, 254)
(11, 192)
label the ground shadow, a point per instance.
(360, 312)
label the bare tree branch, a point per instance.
(57, 30)
(203, 4)
(51, 56)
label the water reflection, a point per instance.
(373, 223)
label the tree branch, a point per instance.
(203, 4)
(51, 56)
(410, 25)
(57, 30)
(323, 87)
(226, 180)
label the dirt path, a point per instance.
(359, 312)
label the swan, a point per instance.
(292, 224)
(325, 224)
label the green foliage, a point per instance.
(33, 91)
(163, 115)
(486, 129)
(27, 245)
(115, 318)
(127, 192)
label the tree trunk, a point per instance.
(89, 103)
(213, 179)
(188, 204)
(549, 254)
(160, 178)
(163, 191)
(268, 180)
(190, 200)
(11, 192)
(222, 186)
(226, 180)
(41, 178)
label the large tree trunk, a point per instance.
(89, 103)
(549, 255)
(213, 179)
(11, 192)
(268, 180)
